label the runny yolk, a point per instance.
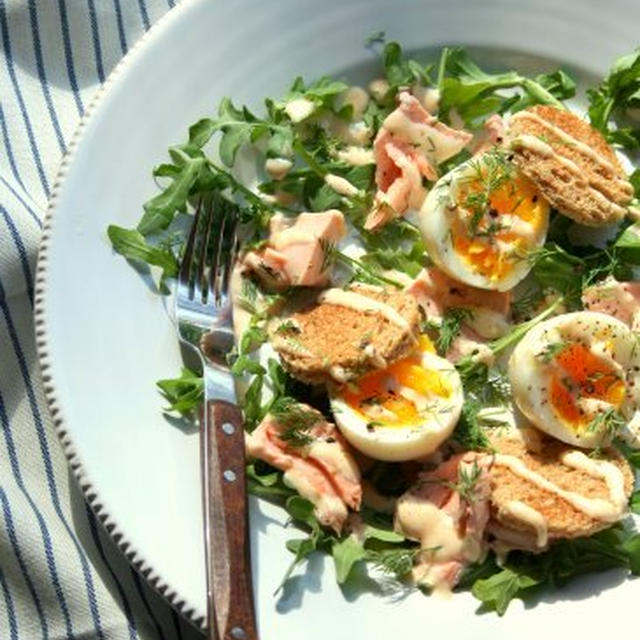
(582, 374)
(370, 395)
(479, 248)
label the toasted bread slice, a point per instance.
(338, 338)
(558, 516)
(571, 164)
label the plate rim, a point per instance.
(75, 463)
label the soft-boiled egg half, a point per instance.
(577, 377)
(481, 221)
(402, 412)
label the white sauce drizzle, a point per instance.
(534, 144)
(341, 185)
(569, 140)
(528, 515)
(365, 304)
(596, 508)
(608, 471)
(526, 141)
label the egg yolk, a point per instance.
(487, 241)
(371, 395)
(582, 374)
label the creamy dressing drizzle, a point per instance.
(365, 304)
(569, 140)
(540, 147)
(608, 471)
(341, 185)
(596, 508)
(528, 515)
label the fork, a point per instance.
(203, 310)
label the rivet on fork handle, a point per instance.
(230, 568)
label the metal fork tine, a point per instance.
(219, 262)
(184, 276)
(234, 245)
(203, 251)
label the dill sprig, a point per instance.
(296, 419)
(396, 562)
(360, 271)
(452, 321)
(488, 174)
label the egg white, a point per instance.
(408, 442)
(530, 374)
(435, 219)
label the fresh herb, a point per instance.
(468, 476)
(452, 321)
(551, 350)
(296, 421)
(239, 127)
(184, 394)
(525, 574)
(360, 271)
(403, 72)
(474, 94)
(395, 562)
(609, 103)
(131, 244)
(608, 423)
(266, 482)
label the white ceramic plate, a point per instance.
(104, 338)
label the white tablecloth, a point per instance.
(60, 574)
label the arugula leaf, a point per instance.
(524, 573)
(269, 485)
(473, 93)
(619, 91)
(161, 209)
(131, 244)
(628, 246)
(238, 127)
(402, 71)
(185, 394)
(346, 554)
(497, 591)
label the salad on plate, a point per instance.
(437, 312)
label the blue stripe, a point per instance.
(68, 55)
(46, 457)
(37, 46)
(9, 608)
(171, 3)
(21, 200)
(17, 551)
(4, 27)
(139, 586)
(9, 150)
(46, 537)
(22, 253)
(131, 623)
(95, 33)
(144, 14)
(121, 32)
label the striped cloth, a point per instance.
(60, 574)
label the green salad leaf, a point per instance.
(132, 245)
(524, 574)
(474, 93)
(185, 393)
(610, 102)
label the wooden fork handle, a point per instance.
(229, 561)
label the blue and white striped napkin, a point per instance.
(60, 574)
